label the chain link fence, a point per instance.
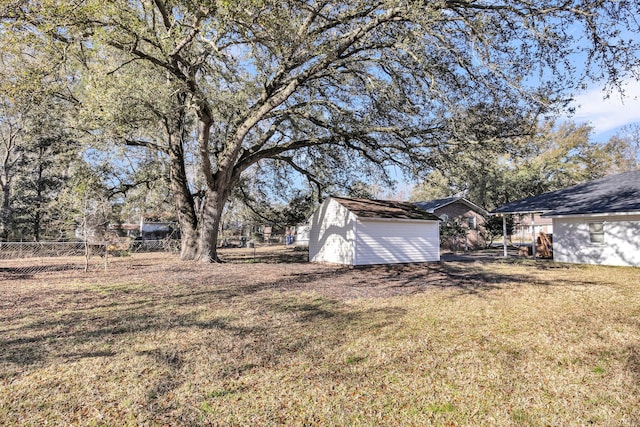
(25, 258)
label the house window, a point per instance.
(596, 232)
(472, 222)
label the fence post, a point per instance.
(106, 254)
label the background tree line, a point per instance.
(554, 156)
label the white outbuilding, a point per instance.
(364, 232)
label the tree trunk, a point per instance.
(37, 216)
(210, 223)
(5, 212)
(218, 186)
(188, 243)
(199, 227)
(187, 217)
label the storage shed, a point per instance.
(364, 232)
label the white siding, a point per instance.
(397, 241)
(302, 235)
(332, 234)
(621, 246)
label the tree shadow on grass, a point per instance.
(28, 272)
(146, 307)
(244, 318)
(75, 324)
(260, 331)
(633, 362)
(278, 255)
(633, 365)
(407, 279)
(57, 322)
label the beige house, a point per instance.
(469, 215)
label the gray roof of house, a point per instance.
(367, 208)
(615, 193)
(432, 205)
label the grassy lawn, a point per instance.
(154, 341)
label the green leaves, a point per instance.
(332, 91)
(494, 171)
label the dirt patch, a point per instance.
(247, 271)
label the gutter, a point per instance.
(594, 214)
(367, 218)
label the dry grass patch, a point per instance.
(159, 342)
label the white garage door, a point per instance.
(390, 242)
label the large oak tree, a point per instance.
(312, 84)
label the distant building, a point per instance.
(469, 215)
(523, 226)
(148, 230)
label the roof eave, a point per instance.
(538, 211)
(590, 214)
(375, 218)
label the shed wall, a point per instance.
(571, 241)
(389, 241)
(332, 234)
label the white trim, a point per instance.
(549, 214)
(541, 212)
(355, 239)
(591, 234)
(365, 218)
(469, 204)
(602, 214)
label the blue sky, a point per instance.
(607, 116)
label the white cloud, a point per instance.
(606, 115)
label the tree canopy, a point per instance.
(552, 157)
(321, 88)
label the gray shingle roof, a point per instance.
(611, 194)
(432, 205)
(366, 208)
